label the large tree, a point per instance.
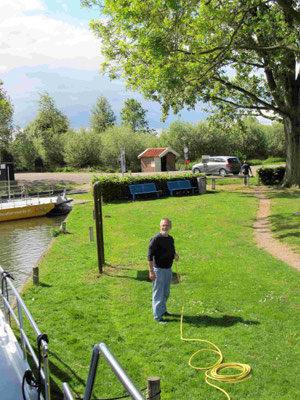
(6, 121)
(49, 126)
(240, 56)
(133, 115)
(102, 115)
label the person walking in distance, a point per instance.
(246, 171)
(161, 253)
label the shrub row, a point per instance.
(115, 187)
(271, 176)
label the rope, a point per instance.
(29, 378)
(213, 372)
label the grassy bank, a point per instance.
(285, 217)
(236, 296)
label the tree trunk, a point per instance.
(292, 136)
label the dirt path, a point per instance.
(263, 234)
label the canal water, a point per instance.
(22, 242)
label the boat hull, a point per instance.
(27, 211)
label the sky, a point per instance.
(47, 46)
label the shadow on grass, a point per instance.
(44, 284)
(206, 320)
(64, 375)
(140, 275)
(224, 321)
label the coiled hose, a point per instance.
(213, 372)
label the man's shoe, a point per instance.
(167, 314)
(161, 321)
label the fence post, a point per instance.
(99, 225)
(153, 388)
(63, 227)
(213, 183)
(35, 275)
(91, 233)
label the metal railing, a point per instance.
(42, 360)
(101, 348)
(22, 195)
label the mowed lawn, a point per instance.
(236, 296)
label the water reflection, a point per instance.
(22, 242)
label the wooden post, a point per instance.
(35, 275)
(153, 387)
(91, 233)
(99, 225)
(213, 183)
(63, 227)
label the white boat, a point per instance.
(17, 381)
(19, 203)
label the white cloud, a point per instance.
(9, 8)
(28, 40)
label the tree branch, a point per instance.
(252, 96)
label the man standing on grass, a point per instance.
(161, 254)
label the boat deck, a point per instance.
(34, 201)
(12, 366)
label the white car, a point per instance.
(218, 165)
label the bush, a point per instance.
(271, 176)
(116, 188)
(82, 148)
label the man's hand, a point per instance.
(176, 257)
(152, 275)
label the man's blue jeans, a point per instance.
(161, 291)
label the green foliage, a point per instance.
(271, 176)
(6, 121)
(116, 188)
(49, 127)
(82, 149)
(24, 150)
(102, 115)
(133, 115)
(249, 139)
(134, 143)
(275, 139)
(240, 57)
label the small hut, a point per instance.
(158, 159)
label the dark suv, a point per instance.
(218, 165)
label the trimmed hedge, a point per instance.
(116, 188)
(271, 176)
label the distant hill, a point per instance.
(75, 92)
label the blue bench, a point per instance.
(180, 185)
(143, 188)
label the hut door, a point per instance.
(164, 163)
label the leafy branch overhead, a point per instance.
(239, 56)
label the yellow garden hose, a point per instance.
(213, 372)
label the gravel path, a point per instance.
(263, 234)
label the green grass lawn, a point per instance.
(285, 217)
(236, 296)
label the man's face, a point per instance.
(165, 227)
